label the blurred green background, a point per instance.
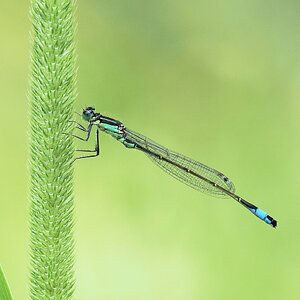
(218, 81)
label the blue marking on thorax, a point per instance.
(117, 133)
(109, 128)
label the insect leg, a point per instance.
(96, 150)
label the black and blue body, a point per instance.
(189, 171)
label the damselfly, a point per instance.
(190, 172)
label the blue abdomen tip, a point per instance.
(261, 214)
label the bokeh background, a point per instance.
(218, 81)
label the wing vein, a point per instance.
(156, 152)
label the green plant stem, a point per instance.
(51, 194)
(4, 289)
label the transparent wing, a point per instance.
(154, 151)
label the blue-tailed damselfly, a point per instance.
(190, 172)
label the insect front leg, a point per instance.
(81, 127)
